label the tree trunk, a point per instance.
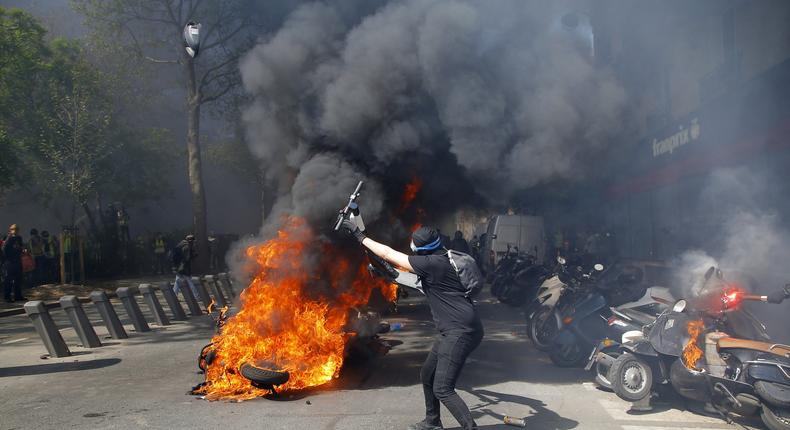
(199, 218)
(91, 220)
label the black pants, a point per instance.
(440, 372)
(13, 280)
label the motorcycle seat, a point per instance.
(755, 345)
(640, 318)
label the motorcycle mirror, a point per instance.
(598, 267)
(560, 260)
(192, 38)
(680, 306)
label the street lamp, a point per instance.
(192, 38)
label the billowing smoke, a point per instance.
(749, 243)
(478, 99)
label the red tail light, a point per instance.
(732, 298)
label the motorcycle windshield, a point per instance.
(744, 325)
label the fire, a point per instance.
(290, 316)
(691, 352)
(410, 193)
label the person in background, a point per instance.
(12, 251)
(459, 243)
(183, 255)
(36, 248)
(123, 225)
(51, 255)
(160, 253)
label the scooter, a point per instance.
(541, 326)
(731, 375)
(615, 305)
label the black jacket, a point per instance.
(12, 249)
(187, 255)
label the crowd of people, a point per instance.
(69, 255)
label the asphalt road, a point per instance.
(142, 383)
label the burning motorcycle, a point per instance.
(736, 370)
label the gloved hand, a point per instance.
(778, 296)
(351, 228)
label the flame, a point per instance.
(290, 316)
(691, 352)
(410, 193)
(210, 307)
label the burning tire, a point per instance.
(542, 328)
(775, 418)
(776, 394)
(264, 374)
(206, 357)
(631, 378)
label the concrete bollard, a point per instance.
(214, 287)
(192, 304)
(225, 279)
(46, 328)
(202, 291)
(172, 302)
(108, 315)
(80, 322)
(149, 295)
(126, 294)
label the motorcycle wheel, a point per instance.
(602, 373)
(631, 378)
(542, 328)
(568, 356)
(775, 418)
(775, 394)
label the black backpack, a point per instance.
(466, 268)
(176, 256)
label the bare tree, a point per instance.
(153, 30)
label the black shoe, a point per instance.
(422, 425)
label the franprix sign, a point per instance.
(686, 134)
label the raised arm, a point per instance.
(398, 259)
(392, 256)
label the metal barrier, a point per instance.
(108, 315)
(172, 302)
(126, 294)
(149, 295)
(79, 321)
(214, 287)
(202, 292)
(46, 328)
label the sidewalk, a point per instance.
(53, 292)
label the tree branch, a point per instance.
(139, 49)
(217, 95)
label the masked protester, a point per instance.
(460, 329)
(182, 257)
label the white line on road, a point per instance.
(14, 341)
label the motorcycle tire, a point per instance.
(542, 336)
(631, 378)
(571, 356)
(206, 357)
(775, 418)
(602, 373)
(262, 374)
(776, 394)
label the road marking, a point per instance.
(618, 410)
(14, 341)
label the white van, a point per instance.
(522, 231)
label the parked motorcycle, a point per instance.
(541, 323)
(616, 303)
(729, 373)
